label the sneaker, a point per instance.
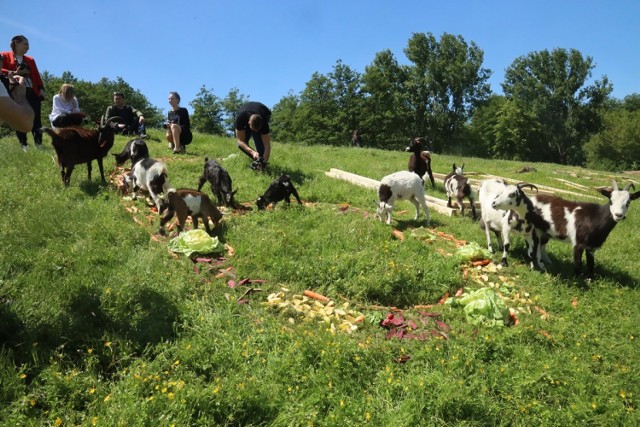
(39, 147)
(25, 148)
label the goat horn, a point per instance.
(629, 185)
(521, 185)
(615, 185)
(112, 119)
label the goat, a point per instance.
(585, 225)
(185, 202)
(220, 181)
(150, 175)
(420, 160)
(135, 150)
(502, 222)
(402, 185)
(457, 185)
(280, 189)
(75, 145)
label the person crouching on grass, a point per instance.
(252, 121)
(178, 126)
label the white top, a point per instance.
(62, 106)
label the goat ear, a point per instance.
(634, 195)
(605, 192)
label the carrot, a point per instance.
(481, 262)
(316, 295)
(398, 234)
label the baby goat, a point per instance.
(220, 182)
(149, 175)
(403, 185)
(585, 225)
(420, 160)
(502, 222)
(457, 185)
(135, 150)
(184, 203)
(280, 189)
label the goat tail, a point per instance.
(48, 131)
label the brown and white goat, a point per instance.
(186, 202)
(75, 145)
(585, 225)
(457, 185)
(420, 160)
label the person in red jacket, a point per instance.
(16, 62)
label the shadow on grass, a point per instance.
(85, 320)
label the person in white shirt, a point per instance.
(66, 111)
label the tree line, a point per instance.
(551, 109)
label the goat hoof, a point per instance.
(504, 263)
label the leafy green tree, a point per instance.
(207, 113)
(385, 112)
(514, 131)
(551, 87)
(481, 131)
(617, 146)
(445, 83)
(284, 119)
(347, 94)
(230, 106)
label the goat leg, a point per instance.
(295, 194)
(101, 168)
(590, 263)
(577, 259)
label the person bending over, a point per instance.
(252, 121)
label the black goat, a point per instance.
(220, 182)
(75, 145)
(135, 150)
(420, 160)
(280, 189)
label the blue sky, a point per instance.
(268, 48)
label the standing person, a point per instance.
(66, 111)
(356, 138)
(178, 126)
(16, 112)
(133, 120)
(252, 121)
(18, 63)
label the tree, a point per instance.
(230, 106)
(385, 113)
(207, 113)
(284, 118)
(445, 83)
(617, 146)
(551, 87)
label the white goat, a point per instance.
(503, 222)
(403, 185)
(152, 176)
(585, 225)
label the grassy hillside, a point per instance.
(101, 325)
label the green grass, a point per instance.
(101, 325)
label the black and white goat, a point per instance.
(585, 225)
(185, 202)
(420, 160)
(402, 185)
(149, 175)
(457, 185)
(503, 222)
(220, 181)
(280, 189)
(135, 150)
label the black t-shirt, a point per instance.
(249, 109)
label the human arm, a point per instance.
(16, 112)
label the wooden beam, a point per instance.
(434, 203)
